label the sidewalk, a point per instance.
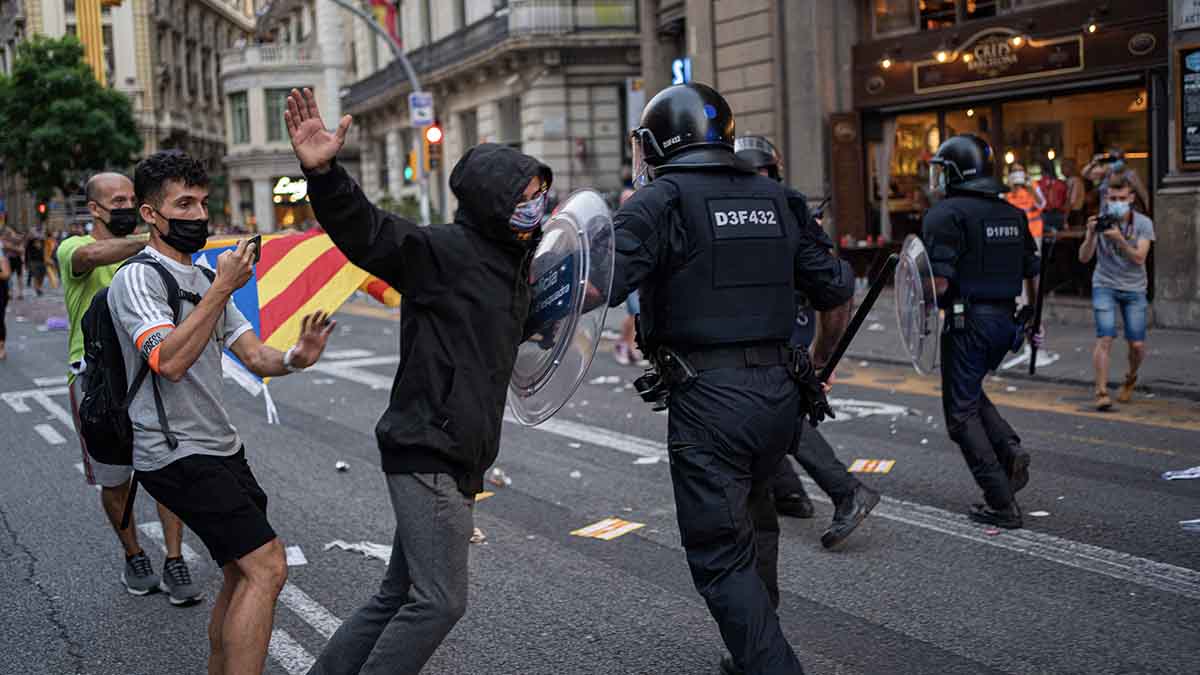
(1171, 368)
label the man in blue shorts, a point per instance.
(1120, 239)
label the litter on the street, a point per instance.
(369, 549)
(647, 460)
(484, 495)
(341, 466)
(478, 537)
(576, 474)
(872, 465)
(295, 556)
(499, 478)
(1182, 474)
(1039, 514)
(605, 379)
(607, 529)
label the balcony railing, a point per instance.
(524, 18)
(270, 54)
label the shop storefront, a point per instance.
(292, 208)
(1050, 84)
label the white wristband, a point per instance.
(287, 360)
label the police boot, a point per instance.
(728, 667)
(847, 515)
(1018, 469)
(795, 504)
(1008, 518)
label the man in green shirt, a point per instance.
(88, 264)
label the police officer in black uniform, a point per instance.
(980, 249)
(851, 499)
(717, 255)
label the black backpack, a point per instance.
(104, 409)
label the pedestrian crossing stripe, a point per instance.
(608, 529)
(484, 495)
(872, 466)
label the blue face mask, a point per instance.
(528, 215)
(1118, 209)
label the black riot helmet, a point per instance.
(964, 164)
(758, 152)
(687, 126)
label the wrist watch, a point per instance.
(287, 360)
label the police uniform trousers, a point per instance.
(727, 430)
(817, 458)
(985, 438)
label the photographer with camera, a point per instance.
(1105, 166)
(1120, 239)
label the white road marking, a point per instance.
(339, 354)
(288, 653)
(17, 401)
(50, 381)
(353, 370)
(314, 614)
(154, 530)
(1181, 581)
(49, 435)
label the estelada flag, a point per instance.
(385, 15)
(297, 274)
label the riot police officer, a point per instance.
(851, 499)
(717, 254)
(980, 249)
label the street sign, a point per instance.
(420, 108)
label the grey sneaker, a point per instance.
(177, 583)
(139, 577)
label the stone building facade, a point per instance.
(546, 76)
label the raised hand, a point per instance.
(314, 333)
(313, 144)
(235, 267)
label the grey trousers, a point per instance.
(424, 592)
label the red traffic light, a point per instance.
(433, 134)
(41, 208)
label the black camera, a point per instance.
(653, 390)
(1106, 222)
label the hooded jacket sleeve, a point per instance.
(392, 248)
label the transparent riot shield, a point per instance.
(916, 306)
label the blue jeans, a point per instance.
(1106, 301)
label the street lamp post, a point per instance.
(398, 53)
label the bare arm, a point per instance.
(184, 344)
(1088, 248)
(1136, 254)
(104, 252)
(831, 326)
(5, 270)
(267, 361)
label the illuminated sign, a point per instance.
(292, 189)
(681, 71)
(998, 55)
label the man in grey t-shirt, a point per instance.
(197, 468)
(1119, 282)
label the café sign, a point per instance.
(998, 55)
(294, 190)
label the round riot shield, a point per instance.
(916, 306)
(571, 278)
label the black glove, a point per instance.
(813, 403)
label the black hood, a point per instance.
(489, 181)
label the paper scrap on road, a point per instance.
(484, 495)
(876, 328)
(1039, 514)
(575, 445)
(341, 466)
(608, 529)
(647, 460)
(576, 475)
(295, 556)
(1182, 474)
(369, 549)
(478, 537)
(499, 478)
(605, 379)
(872, 465)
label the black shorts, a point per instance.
(218, 498)
(15, 263)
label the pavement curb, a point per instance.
(1023, 375)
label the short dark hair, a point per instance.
(152, 174)
(1118, 181)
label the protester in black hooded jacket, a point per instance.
(466, 296)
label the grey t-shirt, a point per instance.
(1113, 269)
(194, 410)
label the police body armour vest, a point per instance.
(735, 281)
(991, 266)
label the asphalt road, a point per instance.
(1107, 582)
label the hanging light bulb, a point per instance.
(886, 62)
(942, 56)
(1017, 41)
(1009, 157)
(970, 112)
(1050, 154)
(1091, 25)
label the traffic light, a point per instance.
(410, 167)
(41, 209)
(433, 145)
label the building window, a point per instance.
(239, 116)
(979, 9)
(510, 122)
(937, 14)
(110, 57)
(69, 6)
(276, 103)
(893, 17)
(468, 123)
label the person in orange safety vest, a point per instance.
(1026, 197)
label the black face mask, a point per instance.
(186, 235)
(121, 222)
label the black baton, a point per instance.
(1047, 247)
(860, 316)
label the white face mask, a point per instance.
(1016, 178)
